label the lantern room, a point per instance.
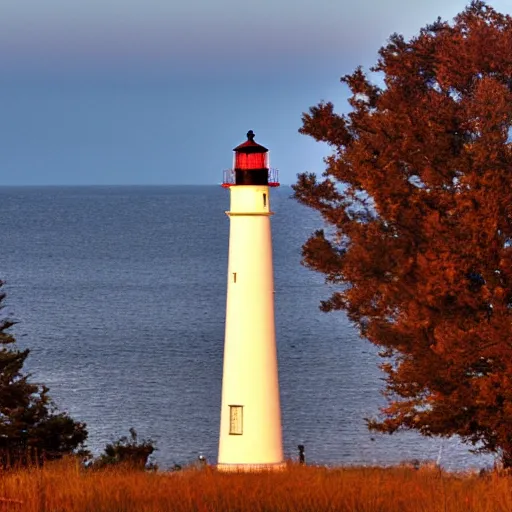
(250, 165)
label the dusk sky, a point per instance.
(160, 91)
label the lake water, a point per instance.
(120, 295)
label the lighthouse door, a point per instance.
(236, 420)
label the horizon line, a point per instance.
(27, 185)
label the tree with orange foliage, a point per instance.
(417, 197)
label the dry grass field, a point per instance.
(65, 487)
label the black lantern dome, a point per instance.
(251, 162)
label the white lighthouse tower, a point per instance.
(250, 425)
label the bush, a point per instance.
(127, 451)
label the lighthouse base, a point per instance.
(251, 468)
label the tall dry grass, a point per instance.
(64, 487)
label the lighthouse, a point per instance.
(250, 425)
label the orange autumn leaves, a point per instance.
(416, 196)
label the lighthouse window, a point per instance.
(264, 200)
(236, 420)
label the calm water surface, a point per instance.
(120, 295)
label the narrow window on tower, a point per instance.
(234, 277)
(236, 420)
(264, 200)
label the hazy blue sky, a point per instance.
(160, 91)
